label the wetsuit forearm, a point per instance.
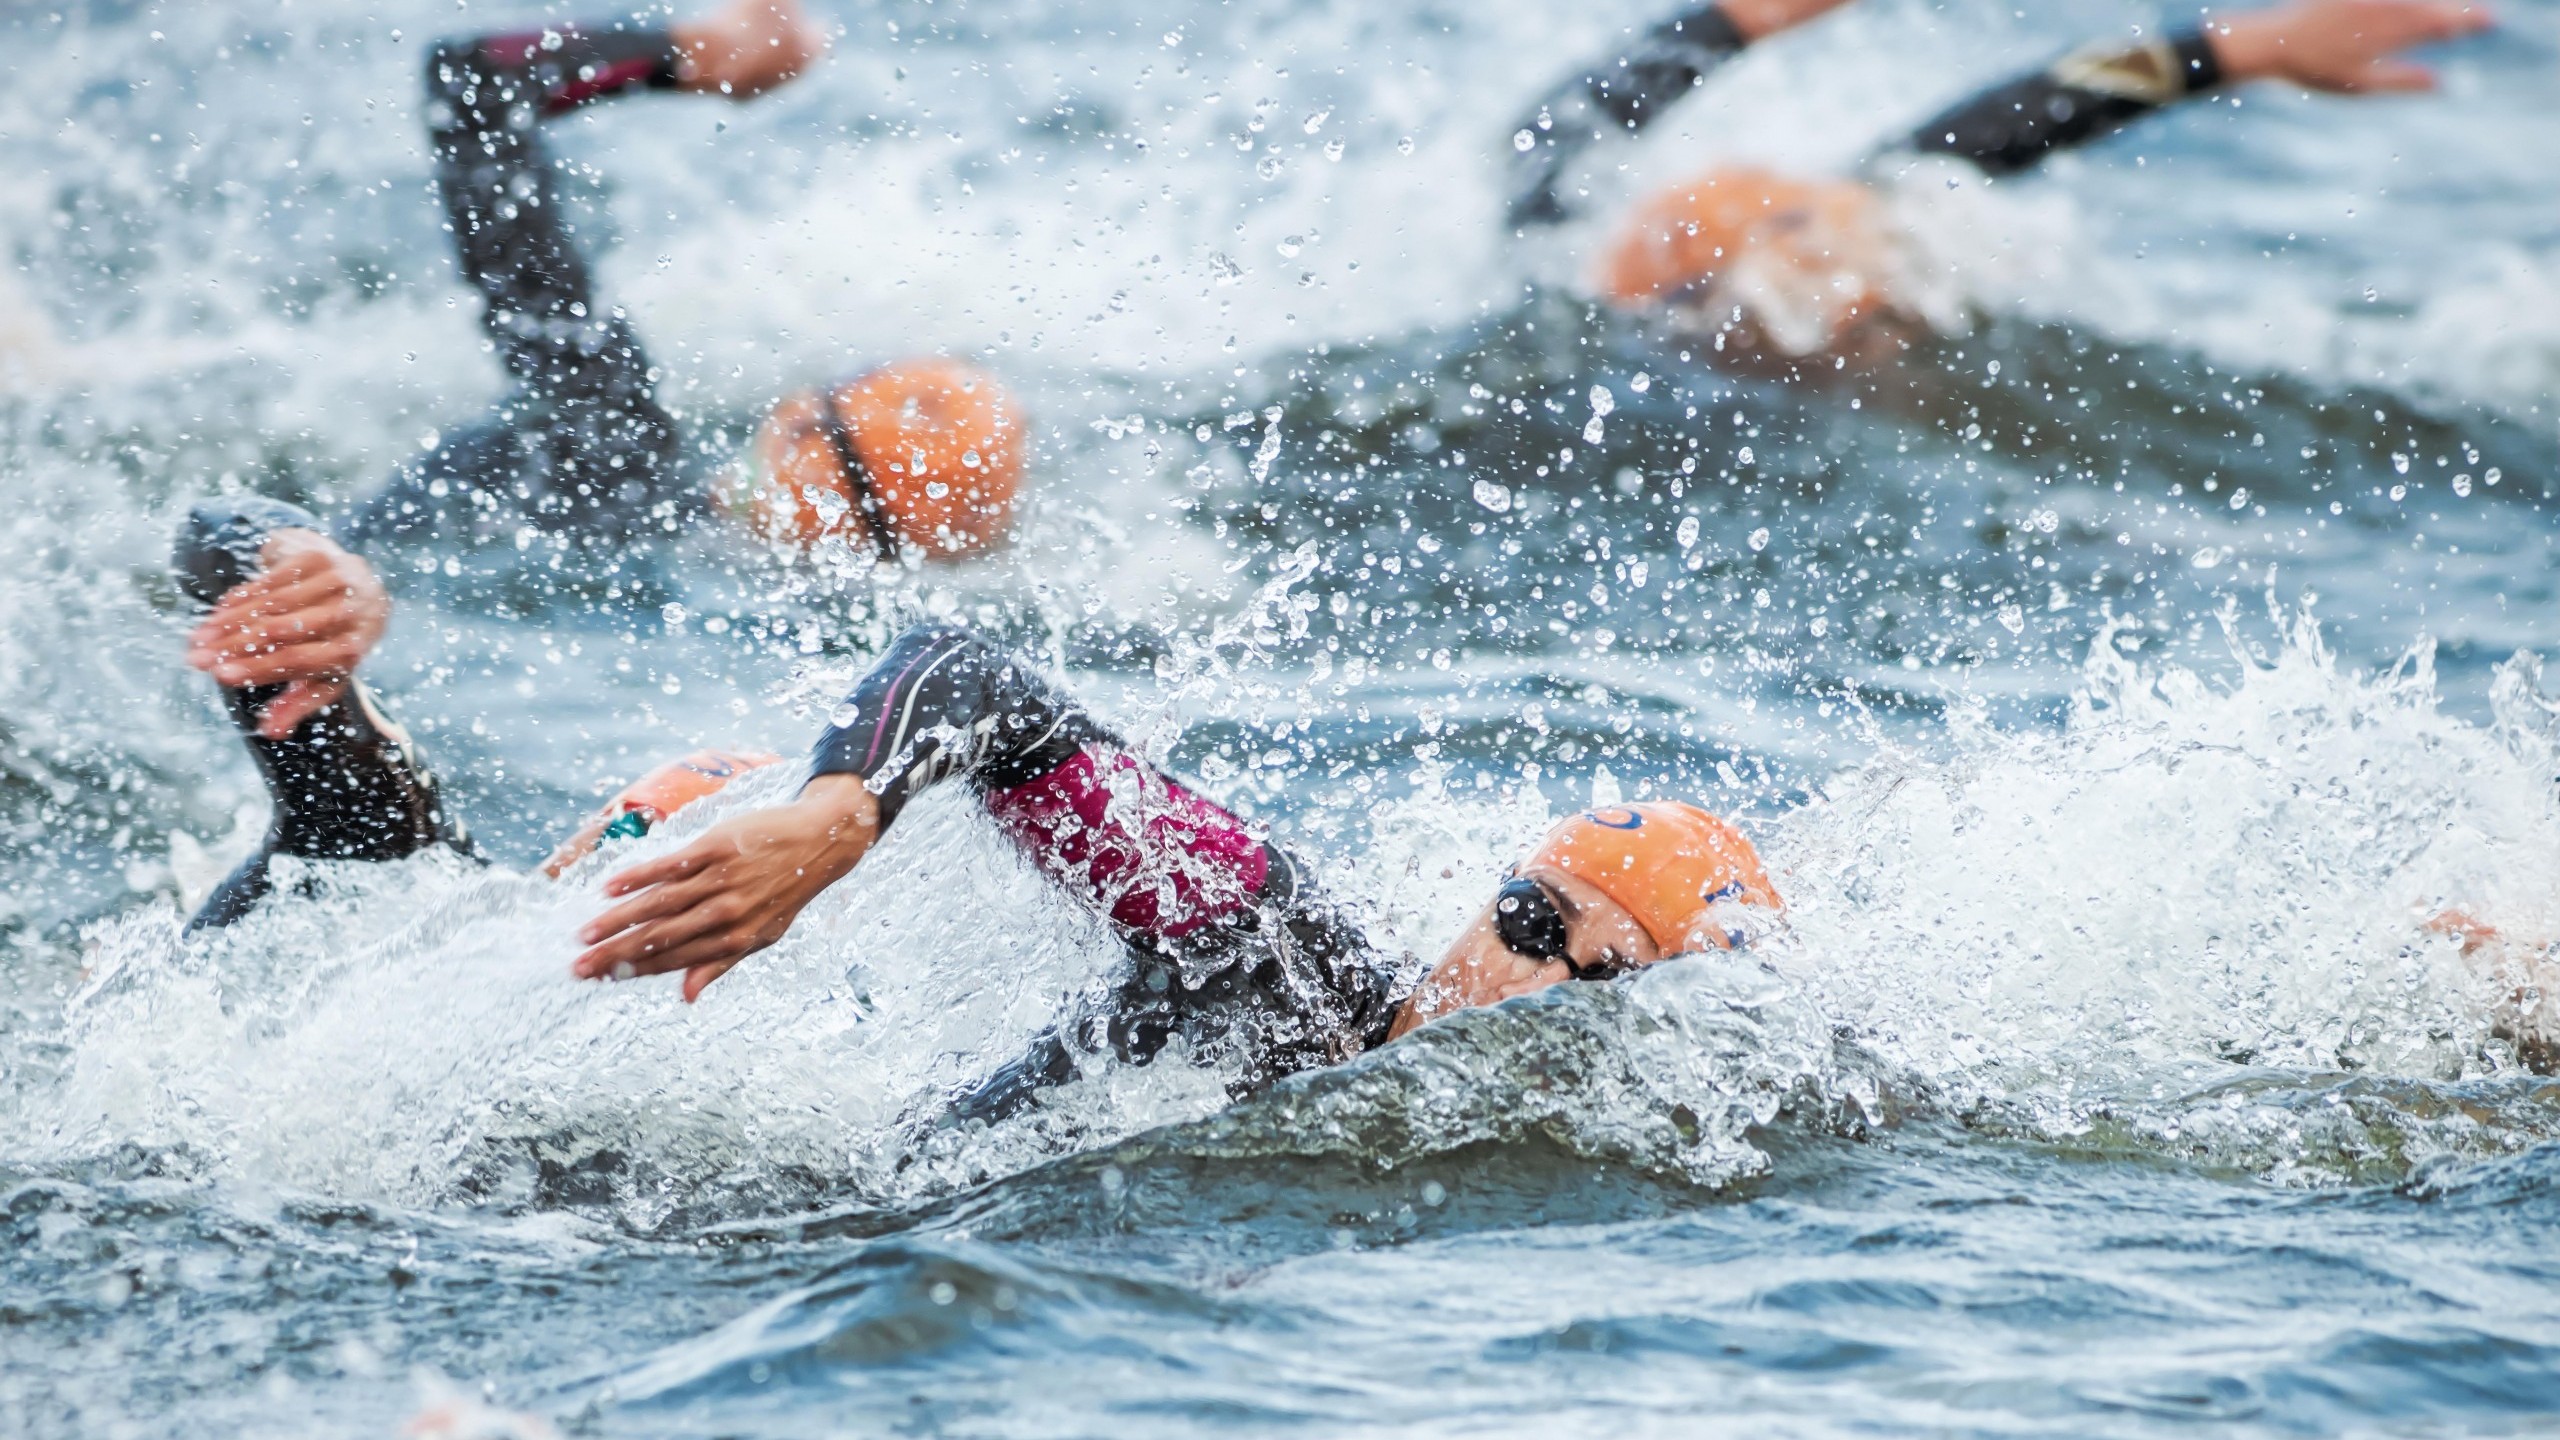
(347, 784)
(1142, 849)
(485, 99)
(582, 439)
(1230, 942)
(2085, 95)
(1627, 92)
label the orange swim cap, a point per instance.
(921, 453)
(1801, 256)
(646, 803)
(1666, 862)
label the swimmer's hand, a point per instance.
(746, 49)
(1757, 20)
(732, 892)
(2342, 46)
(305, 622)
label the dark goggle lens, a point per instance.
(1526, 920)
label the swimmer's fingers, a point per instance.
(323, 604)
(328, 659)
(664, 946)
(2391, 77)
(693, 859)
(313, 594)
(699, 978)
(300, 701)
(641, 926)
(674, 900)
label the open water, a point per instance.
(2115, 688)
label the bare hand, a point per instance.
(1757, 20)
(2343, 46)
(746, 49)
(305, 622)
(732, 892)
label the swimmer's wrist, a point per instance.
(844, 801)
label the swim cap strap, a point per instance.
(856, 474)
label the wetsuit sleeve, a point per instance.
(1146, 852)
(1625, 92)
(2087, 94)
(583, 381)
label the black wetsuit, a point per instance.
(2086, 94)
(580, 444)
(1232, 948)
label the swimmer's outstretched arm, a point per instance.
(1147, 854)
(2343, 46)
(583, 378)
(1630, 90)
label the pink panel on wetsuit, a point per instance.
(1187, 862)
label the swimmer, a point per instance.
(1233, 946)
(921, 454)
(1793, 267)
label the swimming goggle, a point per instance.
(1530, 924)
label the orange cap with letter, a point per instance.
(920, 454)
(1666, 862)
(645, 803)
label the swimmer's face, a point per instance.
(1544, 927)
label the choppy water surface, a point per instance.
(2115, 689)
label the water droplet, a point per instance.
(1760, 538)
(1688, 531)
(1523, 140)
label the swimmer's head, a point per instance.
(1668, 865)
(1607, 892)
(1802, 260)
(646, 803)
(920, 456)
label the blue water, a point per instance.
(2111, 719)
